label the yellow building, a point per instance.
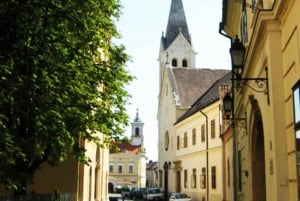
(74, 181)
(127, 166)
(152, 174)
(199, 146)
(264, 162)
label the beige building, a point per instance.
(152, 174)
(180, 85)
(73, 180)
(127, 166)
(265, 153)
(199, 146)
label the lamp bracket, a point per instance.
(239, 121)
(252, 6)
(261, 85)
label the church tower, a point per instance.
(176, 48)
(137, 137)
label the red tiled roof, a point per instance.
(126, 147)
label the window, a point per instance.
(194, 136)
(185, 179)
(193, 179)
(137, 131)
(203, 178)
(111, 168)
(244, 27)
(228, 172)
(203, 133)
(178, 142)
(212, 129)
(174, 62)
(296, 97)
(185, 140)
(296, 102)
(184, 63)
(213, 177)
(120, 168)
(167, 140)
(239, 170)
(130, 168)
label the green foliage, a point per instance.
(61, 80)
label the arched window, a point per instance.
(137, 131)
(184, 63)
(174, 62)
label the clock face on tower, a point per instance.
(167, 140)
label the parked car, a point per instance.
(153, 194)
(179, 197)
(136, 193)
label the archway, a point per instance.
(258, 154)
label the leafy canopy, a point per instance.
(61, 79)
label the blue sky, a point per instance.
(141, 26)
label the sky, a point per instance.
(141, 26)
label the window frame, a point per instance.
(120, 168)
(203, 132)
(203, 178)
(213, 177)
(185, 140)
(296, 113)
(111, 168)
(213, 129)
(174, 62)
(130, 168)
(185, 179)
(194, 136)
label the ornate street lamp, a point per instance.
(227, 105)
(237, 53)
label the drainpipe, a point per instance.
(207, 178)
(234, 159)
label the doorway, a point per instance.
(258, 155)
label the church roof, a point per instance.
(176, 24)
(189, 84)
(209, 97)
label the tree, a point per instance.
(61, 79)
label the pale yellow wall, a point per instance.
(195, 157)
(166, 119)
(74, 179)
(135, 179)
(273, 42)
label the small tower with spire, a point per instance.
(137, 137)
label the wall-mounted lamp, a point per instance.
(237, 53)
(228, 109)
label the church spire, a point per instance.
(176, 24)
(137, 117)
